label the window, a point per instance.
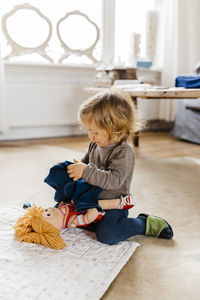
(130, 17)
(30, 30)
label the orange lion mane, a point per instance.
(31, 228)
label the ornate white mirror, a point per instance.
(33, 32)
(71, 31)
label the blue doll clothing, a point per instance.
(84, 195)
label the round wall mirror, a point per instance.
(27, 28)
(72, 32)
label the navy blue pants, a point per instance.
(116, 227)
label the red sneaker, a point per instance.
(127, 202)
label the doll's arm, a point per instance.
(83, 220)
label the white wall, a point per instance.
(43, 100)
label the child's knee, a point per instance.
(107, 237)
(109, 229)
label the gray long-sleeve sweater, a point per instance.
(110, 168)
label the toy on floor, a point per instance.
(33, 228)
(43, 226)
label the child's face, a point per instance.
(97, 135)
(53, 216)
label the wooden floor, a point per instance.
(154, 144)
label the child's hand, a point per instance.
(75, 171)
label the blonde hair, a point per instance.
(31, 228)
(113, 111)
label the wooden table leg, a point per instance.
(135, 138)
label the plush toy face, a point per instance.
(53, 216)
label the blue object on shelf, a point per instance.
(144, 64)
(188, 82)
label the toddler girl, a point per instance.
(110, 117)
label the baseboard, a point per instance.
(19, 133)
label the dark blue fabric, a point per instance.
(189, 82)
(83, 194)
(116, 227)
